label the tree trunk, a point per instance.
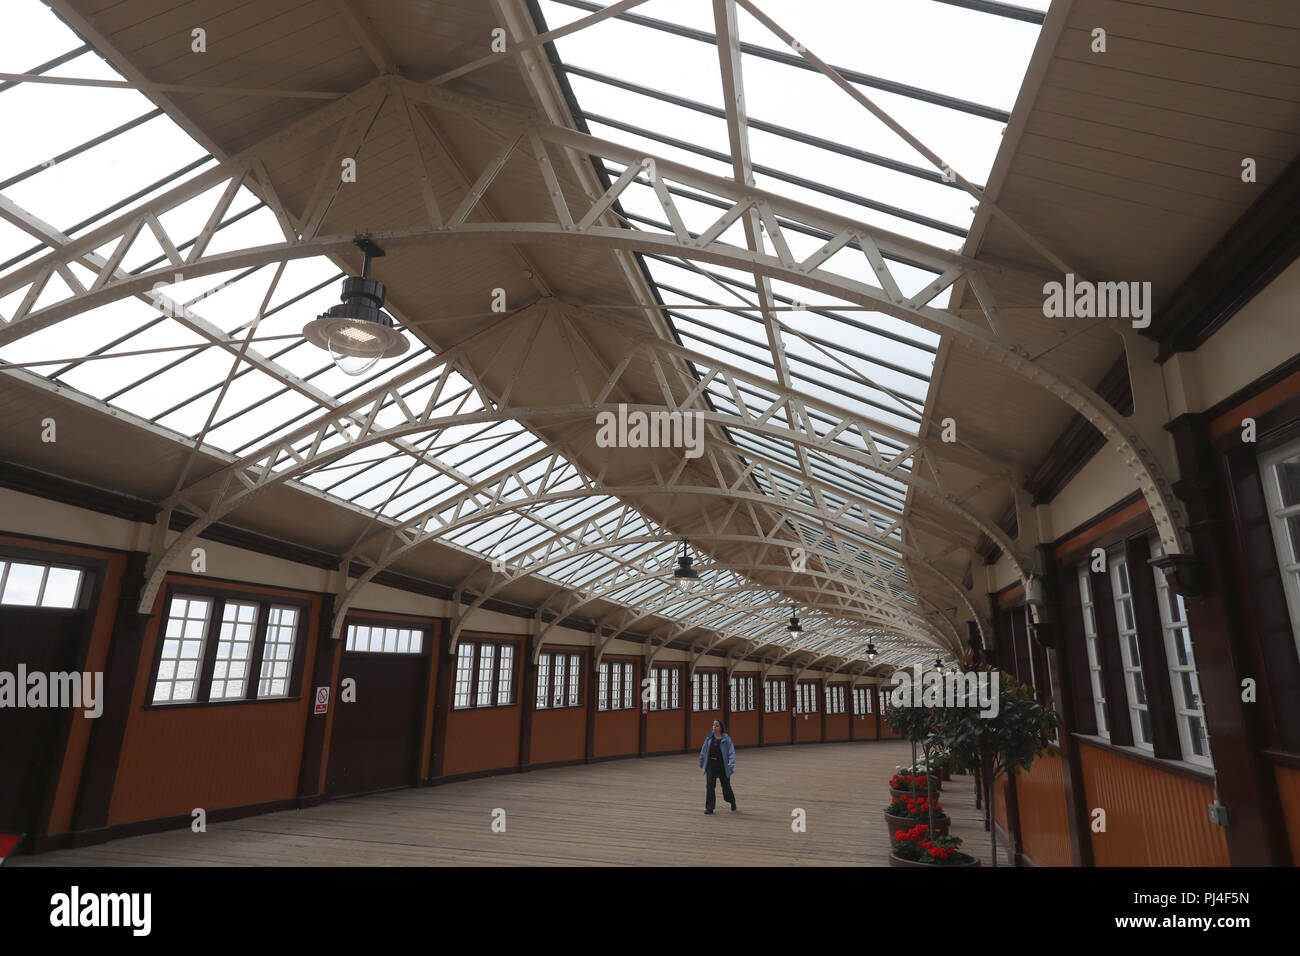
(990, 791)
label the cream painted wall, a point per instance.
(23, 514)
(1262, 335)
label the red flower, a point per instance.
(900, 836)
(936, 852)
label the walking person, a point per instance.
(718, 761)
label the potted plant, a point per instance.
(904, 783)
(995, 743)
(906, 811)
(919, 846)
(913, 723)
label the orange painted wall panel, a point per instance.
(665, 730)
(1044, 823)
(807, 728)
(776, 728)
(744, 728)
(558, 735)
(484, 738)
(225, 755)
(837, 726)
(1288, 789)
(1153, 818)
(616, 732)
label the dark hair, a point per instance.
(720, 724)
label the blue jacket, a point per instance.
(728, 753)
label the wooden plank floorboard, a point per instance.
(646, 812)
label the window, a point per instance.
(806, 698)
(277, 652)
(705, 686)
(1094, 655)
(1280, 473)
(862, 701)
(774, 697)
(252, 638)
(234, 648)
(383, 640)
(665, 688)
(558, 680)
(28, 584)
(182, 651)
(1188, 709)
(835, 698)
(1129, 653)
(884, 699)
(742, 692)
(617, 685)
(485, 674)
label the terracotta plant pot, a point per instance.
(899, 861)
(906, 823)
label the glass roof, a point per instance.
(648, 78)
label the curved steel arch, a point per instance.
(665, 539)
(1075, 393)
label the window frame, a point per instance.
(1092, 648)
(546, 660)
(628, 688)
(92, 576)
(781, 705)
(749, 680)
(1183, 712)
(862, 695)
(423, 627)
(475, 690)
(669, 676)
(1278, 513)
(217, 598)
(1128, 642)
(714, 675)
(810, 693)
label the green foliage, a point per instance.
(1010, 740)
(910, 723)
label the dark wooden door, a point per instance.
(376, 739)
(46, 641)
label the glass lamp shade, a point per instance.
(357, 333)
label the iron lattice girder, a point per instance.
(109, 286)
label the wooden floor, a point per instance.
(645, 812)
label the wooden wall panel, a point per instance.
(1153, 818)
(484, 738)
(776, 728)
(808, 728)
(837, 726)
(559, 735)
(1044, 825)
(1288, 787)
(744, 728)
(617, 732)
(665, 730)
(210, 756)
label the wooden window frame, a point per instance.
(698, 684)
(547, 675)
(629, 699)
(217, 598)
(778, 703)
(746, 684)
(666, 676)
(494, 691)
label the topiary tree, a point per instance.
(913, 724)
(996, 744)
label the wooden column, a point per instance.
(527, 704)
(443, 698)
(822, 690)
(1067, 656)
(592, 672)
(1227, 645)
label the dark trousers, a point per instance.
(716, 774)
